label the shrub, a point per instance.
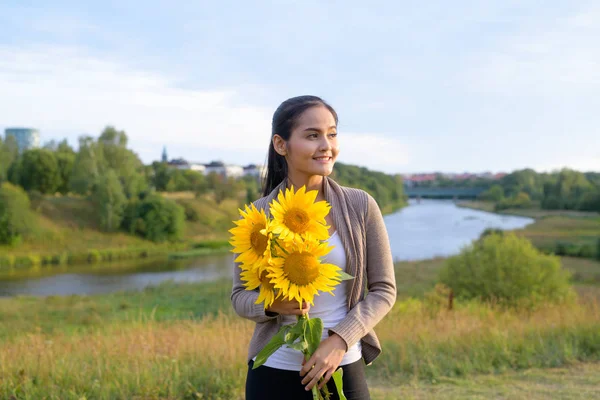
(509, 270)
(491, 231)
(521, 200)
(155, 218)
(16, 218)
(94, 256)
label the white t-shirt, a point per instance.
(331, 310)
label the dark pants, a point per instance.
(266, 383)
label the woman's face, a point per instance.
(313, 145)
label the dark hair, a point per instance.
(284, 120)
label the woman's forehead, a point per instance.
(316, 116)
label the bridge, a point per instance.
(443, 192)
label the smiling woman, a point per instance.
(303, 149)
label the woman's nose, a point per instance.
(325, 144)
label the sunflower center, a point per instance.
(301, 268)
(296, 220)
(258, 240)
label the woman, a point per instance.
(303, 149)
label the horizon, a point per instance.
(499, 86)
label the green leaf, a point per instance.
(314, 330)
(300, 346)
(345, 277)
(296, 331)
(275, 343)
(337, 378)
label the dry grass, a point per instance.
(580, 381)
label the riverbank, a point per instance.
(184, 340)
(562, 232)
(70, 235)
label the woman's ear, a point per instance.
(280, 145)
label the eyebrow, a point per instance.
(318, 129)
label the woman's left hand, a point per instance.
(325, 360)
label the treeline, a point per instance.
(387, 189)
(124, 191)
(560, 190)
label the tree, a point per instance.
(39, 171)
(65, 162)
(566, 191)
(86, 168)
(161, 176)
(9, 152)
(495, 193)
(129, 168)
(16, 218)
(109, 201)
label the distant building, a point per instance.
(26, 138)
(182, 164)
(258, 171)
(226, 171)
(165, 158)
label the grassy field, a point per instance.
(551, 226)
(184, 341)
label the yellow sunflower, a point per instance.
(253, 247)
(254, 278)
(299, 273)
(297, 217)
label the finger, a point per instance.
(309, 377)
(326, 378)
(316, 378)
(307, 366)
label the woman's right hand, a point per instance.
(288, 307)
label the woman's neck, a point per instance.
(314, 182)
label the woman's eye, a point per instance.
(334, 134)
(313, 135)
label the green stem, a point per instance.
(316, 393)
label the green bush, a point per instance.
(508, 270)
(211, 244)
(29, 260)
(521, 200)
(7, 261)
(155, 218)
(94, 256)
(16, 218)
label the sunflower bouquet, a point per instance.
(281, 256)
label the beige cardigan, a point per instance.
(359, 223)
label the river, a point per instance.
(426, 229)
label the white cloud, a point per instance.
(63, 91)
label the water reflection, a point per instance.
(113, 277)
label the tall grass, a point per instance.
(182, 341)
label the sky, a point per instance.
(418, 86)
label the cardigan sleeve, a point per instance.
(381, 281)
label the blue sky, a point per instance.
(435, 86)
